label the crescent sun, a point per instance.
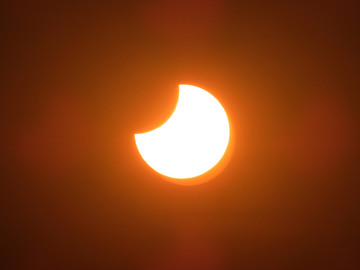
(192, 141)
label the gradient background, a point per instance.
(78, 79)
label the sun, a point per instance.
(192, 141)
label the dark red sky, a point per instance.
(79, 79)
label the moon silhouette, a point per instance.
(192, 141)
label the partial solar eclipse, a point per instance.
(192, 141)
